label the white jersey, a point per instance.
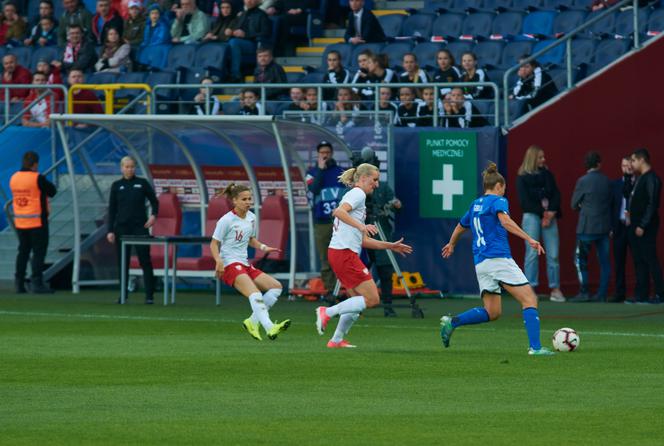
(234, 233)
(345, 236)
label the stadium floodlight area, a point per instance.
(251, 142)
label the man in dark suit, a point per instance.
(622, 188)
(363, 26)
(592, 197)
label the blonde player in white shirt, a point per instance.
(349, 236)
(236, 231)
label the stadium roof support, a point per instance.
(291, 139)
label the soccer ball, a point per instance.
(566, 340)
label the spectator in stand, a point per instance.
(296, 95)
(622, 189)
(45, 10)
(425, 109)
(377, 73)
(104, 19)
(75, 14)
(251, 31)
(324, 192)
(224, 21)
(446, 72)
(598, 5)
(348, 107)
(643, 225)
(269, 6)
(157, 30)
(385, 103)
(539, 198)
(592, 197)
(269, 72)
(44, 34)
(53, 77)
(190, 24)
(250, 102)
(114, 56)
(363, 26)
(534, 86)
(83, 101)
(202, 97)
(39, 115)
(336, 74)
(362, 74)
(459, 112)
(471, 73)
(412, 73)
(79, 52)
(134, 25)
(12, 26)
(289, 13)
(311, 105)
(13, 73)
(407, 111)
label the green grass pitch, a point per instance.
(78, 369)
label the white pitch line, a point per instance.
(234, 321)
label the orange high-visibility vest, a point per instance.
(26, 201)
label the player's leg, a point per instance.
(248, 289)
(271, 289)
(366, 290)
(526, 296)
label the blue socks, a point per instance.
(477, 315)
(532, 322)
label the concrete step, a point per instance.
(339, 32)
(325, 41)
(299, 60)
(311, 51)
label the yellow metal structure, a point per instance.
(109, 91)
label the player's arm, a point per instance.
(342, 213)
(448, 249)
(511, 227)
(256, 244)
(398, 246)
(215, 245)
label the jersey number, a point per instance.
(238, 236)
(477, 226)
(329, 207)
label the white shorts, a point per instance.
(493, 273)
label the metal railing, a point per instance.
(7, 99)
(567, 40)
(109, 94)
(264, 88)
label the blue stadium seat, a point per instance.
(624, 25)
(181, 56)
(458, 48)
(498, 5)
(162, 78)
(49, 53)
(527, 5)
(231, 108)
(294, 78)
(448, 25)
(191, 76)
(374, 47)
(433, 6)
(507, 24)
(391, 24)
(496, 75)
(312, 78)
(469, 5)
(155, 56)
(426, 53)
(656, 22)
(212, 57)
(345, 50)
(583, 51)
(566, 21)
(3, 51)
(395, 52)
(603, 26)
(559, 77)
(489, 53)
(513, 51)
(478, 24)
(130, 78)
(538, 23)
(23, 55)
(101, 78)
(418, 25)
(555, 56)
(609, 50)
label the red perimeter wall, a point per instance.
(614, 113)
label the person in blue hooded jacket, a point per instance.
(157, 32)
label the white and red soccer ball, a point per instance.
(566, 340)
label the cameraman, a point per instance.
(381, 206)
(324, 193)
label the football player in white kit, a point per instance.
(349, 236)
(234, 232)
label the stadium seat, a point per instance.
(155, 56)
(656, 22)
(489, 53)
(567, 21)
(418, 25)
(181, 56)
(48, 53)
(168, 222)
(102, 77)
(513, 51)
(458, 48)
(273, 227)
(538, 23)
(507, 24)
(294, 78)
(426, 53)
(498, 5)
(3, 51)
(624, 25)
(191, 76)
(374, 47)
(609, 50)
(231, 107)
(554, 56)
(23, 55)
(433, 6)
(602, 27)
(478, 25)
(135, 77)
(559, 77)
(391, 24)
(312, 78)
(448, 25)
(582, 51)
(162, 78)
(217, 208)
(528, 5)
(496, 75)
(212, 57)
(395, 52)
(345, 50)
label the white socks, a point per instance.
(260, 310)
(353, 304)
(343, 327)
(269, 299)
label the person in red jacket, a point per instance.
(83, 101)
(13, 73)
(39, 115)
(105, 18)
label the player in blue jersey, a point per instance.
(488, 219)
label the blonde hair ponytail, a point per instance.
(352, 175)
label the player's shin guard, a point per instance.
(343, 327)
(477, 315)
(532, 322)
(353, 304)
